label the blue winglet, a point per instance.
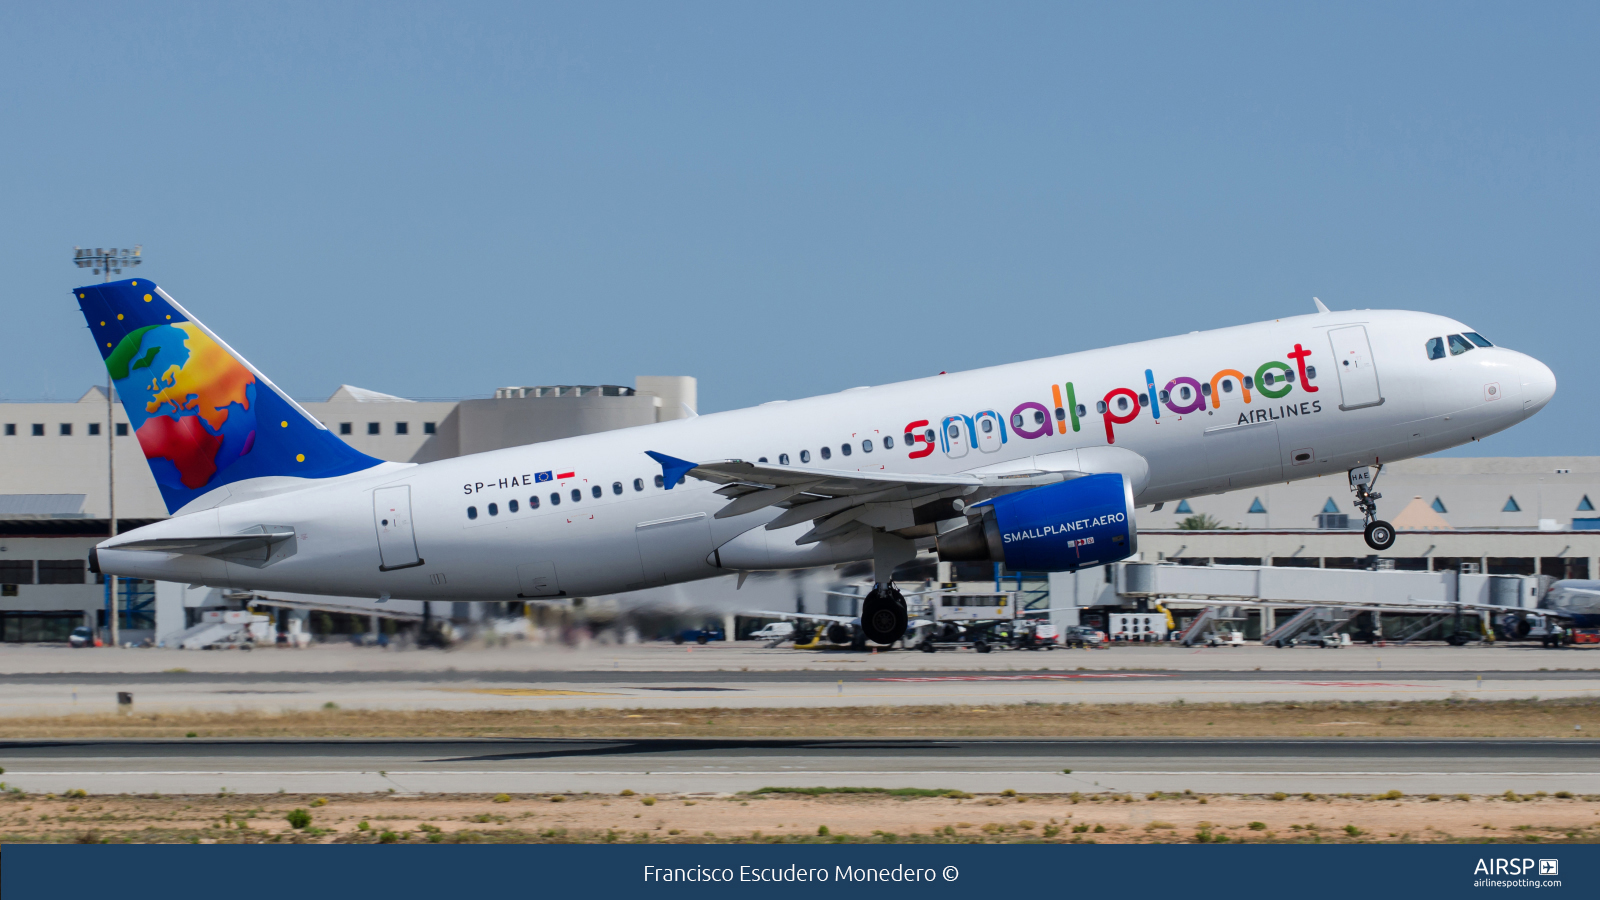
(672, 468)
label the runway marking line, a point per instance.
(1356, 684)
(787, 773)
(1064, 676)
(527, 692)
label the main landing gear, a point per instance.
(883, 614)
(1379, 534)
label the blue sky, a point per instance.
(435, 200)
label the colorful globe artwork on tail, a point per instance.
(191, 405)
(205, 418)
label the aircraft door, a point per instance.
(675, 549)
(988, 434)
(1352, 359)
(955, 437)
(397, 542)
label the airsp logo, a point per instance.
(1502, 866)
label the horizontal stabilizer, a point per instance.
(216, 545)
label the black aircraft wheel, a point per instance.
(1380, 535)
(928, 647)
(981, 647)
(883, 616)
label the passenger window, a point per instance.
(494, 510)
(638, 484)
(1016, 422)
(1205, 390)
(888, 442)
(511, 506)
(533, 502)
(866, 446)
(1249, 382)
(1268, 378)
(1038, 417)
(1311, 373)
(783, 459)
(616, 487)
(1478, 339)
(1458, 345)
(659, 482)
(929, 435)
(1061, 414)
(1100, 407)
(1122, 404)
(576, 495)
(1184, 392)
(762, 460)
(1436, 348)
(805, 456)
(555, 499)
(987, 425)
(1227, 385)
(1082, 410)
(1165, 397)
(472, 512)
(845, 449)
(827, 453)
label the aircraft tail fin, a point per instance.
(203, 415)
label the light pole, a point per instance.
(105, 262)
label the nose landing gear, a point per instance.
(1379, 534)
(883, 614)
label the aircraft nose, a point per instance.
(1538, 385)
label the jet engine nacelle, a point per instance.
(1084, 522)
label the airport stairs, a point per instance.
(204, 635)
(1198, 626)
(1423, 627)
(1310, 624)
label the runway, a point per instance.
(1324, 766)
(47, 694)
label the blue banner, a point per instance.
(261, 872)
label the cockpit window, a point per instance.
(1436, 348)
(1478, 339)
(1458, 345)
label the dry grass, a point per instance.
(861, 817)
(1428, 718)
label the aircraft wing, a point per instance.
(805, 617)
(838, 500)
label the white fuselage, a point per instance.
(628, 538)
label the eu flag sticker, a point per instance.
(541, 476)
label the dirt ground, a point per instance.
(867, 816)
(1571, 718)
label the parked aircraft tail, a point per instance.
(203, 415)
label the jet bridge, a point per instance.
(1322, 600)
(1324, 587)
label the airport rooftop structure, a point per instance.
(58, 450)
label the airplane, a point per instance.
(1576, 599)
(1040, 465)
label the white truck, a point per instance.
(775, 632)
